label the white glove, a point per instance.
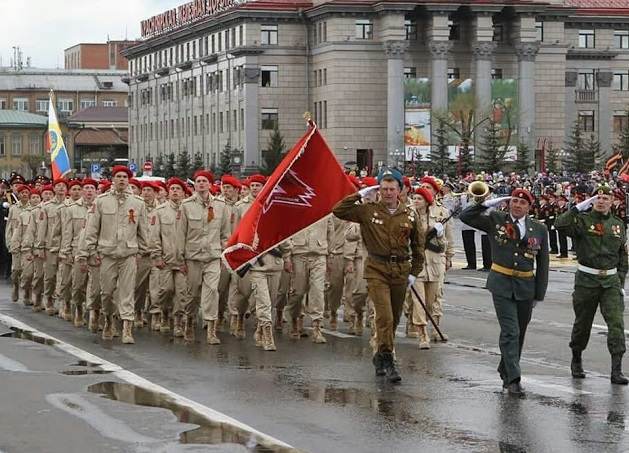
(367, 190)
(623, 292)
(6, 205)
(439, 229)
(411, 279)
(495, 201)
(586, 204)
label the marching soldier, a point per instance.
(600, 241)
(390, 230)
(5, 257)
(144, 263)
(336, 270)
(562, 206)
(205, 230)
(66, 257)
(117, 230)
(13, 222)
(307, 265)
(29, 248)
(48, 240)
(517, 243)
(168, 247)
(75, 218)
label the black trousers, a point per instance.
(513, 317)
(486, 251)
(552, 239)
(563, 245)
(470, 247)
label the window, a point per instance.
(621, 122)
(586, 120)
(324, 121)
(41, 105)
(324, 29)
(196, 125)
(220, 122)
(214, 123)
(410, 73)
(242, 118)
(268, 76)
(364, 29)
(585, 80)
(194, 50)
(16, 144)
(20, 104)
(228, 121)
(455, 30)
(586, 39)
(241, 35)
(621, 39)
(411, 30)
(269, 35)
(65, 105)
(2, 145)
(205, 47)
(496, 74)
(498, 33)
(539, 30)
(453, 74)
(87, 103)
(235, 120)
(325, 76)
(3, 104)
(621, 81)
(269, 119)
(172, 128)
(220, 41)
(35, 148)
(213, 45)
(233, 31)
(226, 39)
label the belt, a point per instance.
(600, 272)
(390, 258)
(510, 272)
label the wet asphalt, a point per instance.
(317, 398)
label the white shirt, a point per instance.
(521, 226)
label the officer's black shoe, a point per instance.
(378, 363)
(617, 377)
(393, 375)
(576, 366)
(469, 268)
(515, 389)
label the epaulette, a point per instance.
(187, 200)
(137, 197)
(103, 195)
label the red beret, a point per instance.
(430, 180)
(35, 191)
(89, 182)
(123, 169)
(161, 184)
(74, 182)
(174, 181)
(406, 181)
(136, 183)
(354, 180)
(47, 187)
(205, 173)
(60, 181)
(215, 189)
(246, 182)
(232, 181)
(370, 181)
(525, 194)
(426, 194)
(104, 185)
(260, 179)
(21, 188)
(150, 185)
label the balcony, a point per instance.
(585, 96)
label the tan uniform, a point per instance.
(13, 222)
(143, 272)
(15, 248)
(28, 248)
(205, 228)
(117, 230)
(388, 238)
(226, 275)
(354, 251)
(308, 251)
(74, 221)
(47, 243)
(63, 292)
(154, 289)
(336, 268)
(168, 245)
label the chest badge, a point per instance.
(131, 216)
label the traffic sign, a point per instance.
(95, 168)
(147, 168)
(133, 167)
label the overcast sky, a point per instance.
(43, 29)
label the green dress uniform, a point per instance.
(388, 238)
(512, 280)
(600, 242)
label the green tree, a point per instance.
(157, 166)
(491, 154)
(169, 166)
(552, 159)
(275, 151)
(198, 162)
(592, 153)
(439, 156)
(523, 160)
(623, 141)
(183, 164)
(575, 160)
(225, 160)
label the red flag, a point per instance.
(303, 189)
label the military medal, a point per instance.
(131, 216)
(210, 213)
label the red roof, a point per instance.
(623, 4)
(101, 137)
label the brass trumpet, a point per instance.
(479, 191)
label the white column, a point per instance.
(439, 75)
(526, 52)
(252, 117)
(394, 51)
(483, 54)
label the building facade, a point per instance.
(233, 74)
(22, 143)
(103, 56)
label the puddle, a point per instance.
(84, 372)
(28, 335)
(208, 432)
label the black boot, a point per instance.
(393, 375)
(617, 376)
(515, 389)
(576, 366)
(378, 363)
